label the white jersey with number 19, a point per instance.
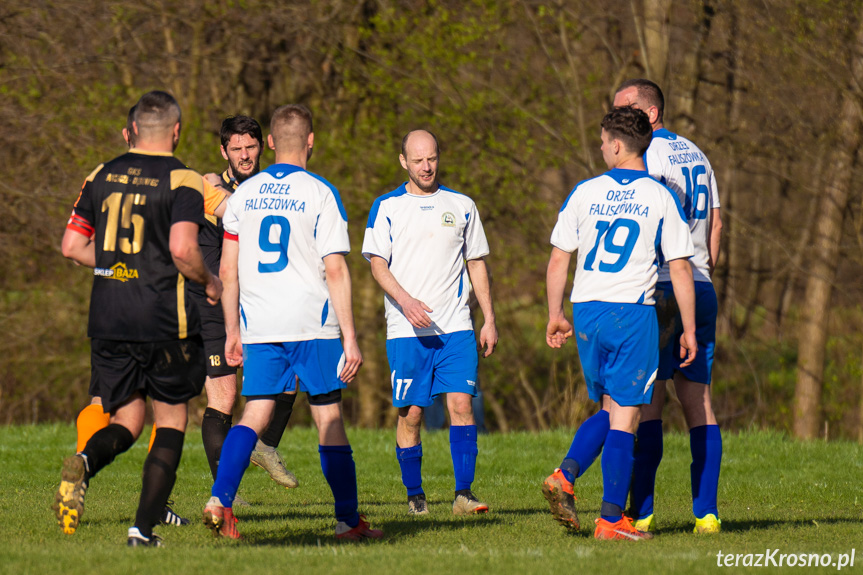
(286, 221)
(683, 167)
(617, 222)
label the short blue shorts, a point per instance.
(618, 345)
(424, 367)
(272, 368)
(671, 327)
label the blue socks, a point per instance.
(586, 446)
(337, 463)
(462, 444)
(617, 463)
(648, 454)
(411, 462)
(236, 452)
(705, 443)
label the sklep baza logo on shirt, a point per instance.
(447, 220)
(118, 271)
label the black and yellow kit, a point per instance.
(212, 318)
(128, 205)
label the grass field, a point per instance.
(774, 494)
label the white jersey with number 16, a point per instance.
(683, 167)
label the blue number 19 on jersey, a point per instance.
(623, 252)
(280, 248)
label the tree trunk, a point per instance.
(657, 33)
(791, 279)
(824, 256)
(731, 272)
(373, 376)
(687, 91)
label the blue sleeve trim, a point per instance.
(575, 189)
(335, 192)
(376, 206)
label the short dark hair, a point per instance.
(429, 132)
(240, 125)
(156, 110)
(629, 125)
(130, 130)
(291, 125)
(649, 92)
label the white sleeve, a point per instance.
(475, 242)
(714, 191)
(377, 240)
(676, 238)
(230, 221)
(331, 230)
(654, 165)
(565, 233)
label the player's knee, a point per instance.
(222, 393)
(412, 416)
(460, 406)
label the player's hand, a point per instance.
(233, 350)
(688, 348)
(557, 332)
(488, 338)
(214, 289)
(214, 179)
(416, 312)
(353, 360)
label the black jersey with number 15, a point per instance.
(130, 204)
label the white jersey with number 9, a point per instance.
(286, 221)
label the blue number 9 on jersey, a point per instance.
(267, 245)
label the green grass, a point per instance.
(774, 493)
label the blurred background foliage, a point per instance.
(515, 90)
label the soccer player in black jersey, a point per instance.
(241, 145)
(136, 223)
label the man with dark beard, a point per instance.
(241, 146)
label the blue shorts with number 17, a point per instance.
(424, 367)
(618, 345)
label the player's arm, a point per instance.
(79, 248)
(186, 254)
(478, 273)
(214, 196)
(413, 309)
(715, 237)
(558, 329)
(684, 292)
(339, 285)
(228, 273)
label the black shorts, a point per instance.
(213, 333)
(168, 371)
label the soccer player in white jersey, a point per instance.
(286, 236)
(617, 222)
(426, 245)
(683, 167)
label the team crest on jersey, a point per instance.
(447, 220)
(118, 271)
